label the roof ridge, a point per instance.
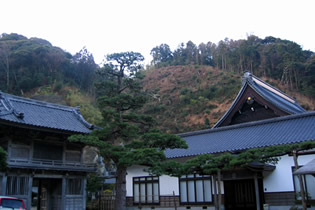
(248, 124)
(274, 88)
(36, 102)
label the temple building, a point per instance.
(44, 169)
(260, 116)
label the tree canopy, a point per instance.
(127, 137)
(272, 57)
(30, 63)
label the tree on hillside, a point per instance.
(5, 64)
(127, 138)
(161, 55)
(84, 69)
(29, 63)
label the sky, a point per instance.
(112, 26)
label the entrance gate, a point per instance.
(46, 194)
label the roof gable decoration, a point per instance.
(266, 95)
(7, 108)
(28, 112)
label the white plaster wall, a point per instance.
(281, 179)
(133, 171)
(167, 184)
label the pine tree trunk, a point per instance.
(120, 199)
(300, 180)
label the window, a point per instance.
(74, 186)
(73, 153)
(20, 149)
(195, 189)
(309, 186)
(146, 190)
(47, 151)
(12, 203)
(17, 185)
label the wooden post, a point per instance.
(257, 192)
(215, 192)
(174, 200)
(219, 190)
(29, 197)
(63, 193)
(300, 179)
(4, 184)
(84, 193)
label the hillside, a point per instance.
(187, 98)
(189, 88)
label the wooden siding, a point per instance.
(74, 202)
(165, 201)
(280, 198)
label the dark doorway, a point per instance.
(240, 195)
(46, 194)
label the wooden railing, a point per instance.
(38, 163)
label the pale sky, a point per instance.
(110, 26)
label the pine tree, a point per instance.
(127, 138)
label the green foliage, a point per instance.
(207, 122)
(94, 183)
(126, 137)
(90, 113)
(210, 163)
(26, 64)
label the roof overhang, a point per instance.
(308, 168)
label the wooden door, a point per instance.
(44, 198)
(239, 195)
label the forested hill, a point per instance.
(30, 63)
(193, 97)
(188, 89)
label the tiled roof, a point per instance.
(27, 112)
(269, 93)
(276, 131)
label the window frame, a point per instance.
(74, 186)
(146, 180)
(195, 178)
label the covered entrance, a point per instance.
(239, 194)
(243, 188)
(46, 194)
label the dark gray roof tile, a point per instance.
(277, 131)
(28, 112)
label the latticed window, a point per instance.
(73, 153)
(195, 189)
(20, 149)
(146, 190)
(74, 186)
(17, 185)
